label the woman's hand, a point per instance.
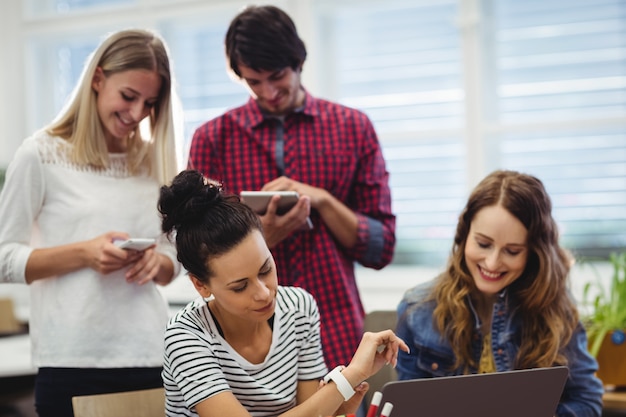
(145, 268)
(375, 351)
(105, 257)
(102, 255)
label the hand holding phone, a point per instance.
(138, 244)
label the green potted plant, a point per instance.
(606, 322)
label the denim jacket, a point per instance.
(432, 356)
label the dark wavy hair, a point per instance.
(263, 38)
(207, 222)
(548, 312)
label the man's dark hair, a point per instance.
(263, 38)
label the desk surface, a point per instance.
(614, 400)
(15, 356)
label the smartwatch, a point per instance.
(342, 384)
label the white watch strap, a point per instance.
(342, 384)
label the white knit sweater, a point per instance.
(82, 319)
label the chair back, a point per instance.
(142, 403)
(8, 322)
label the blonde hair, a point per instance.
(79, 123)
(548, 312)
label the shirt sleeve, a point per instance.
(582, 395)
(20, 201)
(311, 363)
(371, 197)
(407, 362)
(193, 366)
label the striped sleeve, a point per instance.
(191, 359)
(303, 314)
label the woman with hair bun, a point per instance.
(503, 302)
(248, 346)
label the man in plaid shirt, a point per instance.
(283, 138)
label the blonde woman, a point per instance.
(75, 188)
(503, 302)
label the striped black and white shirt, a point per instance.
(199, 363)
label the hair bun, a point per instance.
(187, 200)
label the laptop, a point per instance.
(520, 393)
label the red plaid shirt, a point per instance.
(325, 145)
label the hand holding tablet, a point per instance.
(259, 200)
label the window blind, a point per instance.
(400, 62)
(455, 89)
(561, 94)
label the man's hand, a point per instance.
(336, 216)
(277, 227)
(317, 195)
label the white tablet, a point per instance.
(258, 200)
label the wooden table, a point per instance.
(614, 403)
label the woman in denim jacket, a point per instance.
(503, 302)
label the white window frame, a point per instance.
(24, 90)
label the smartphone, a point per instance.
(135, 243)
(258, 200)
